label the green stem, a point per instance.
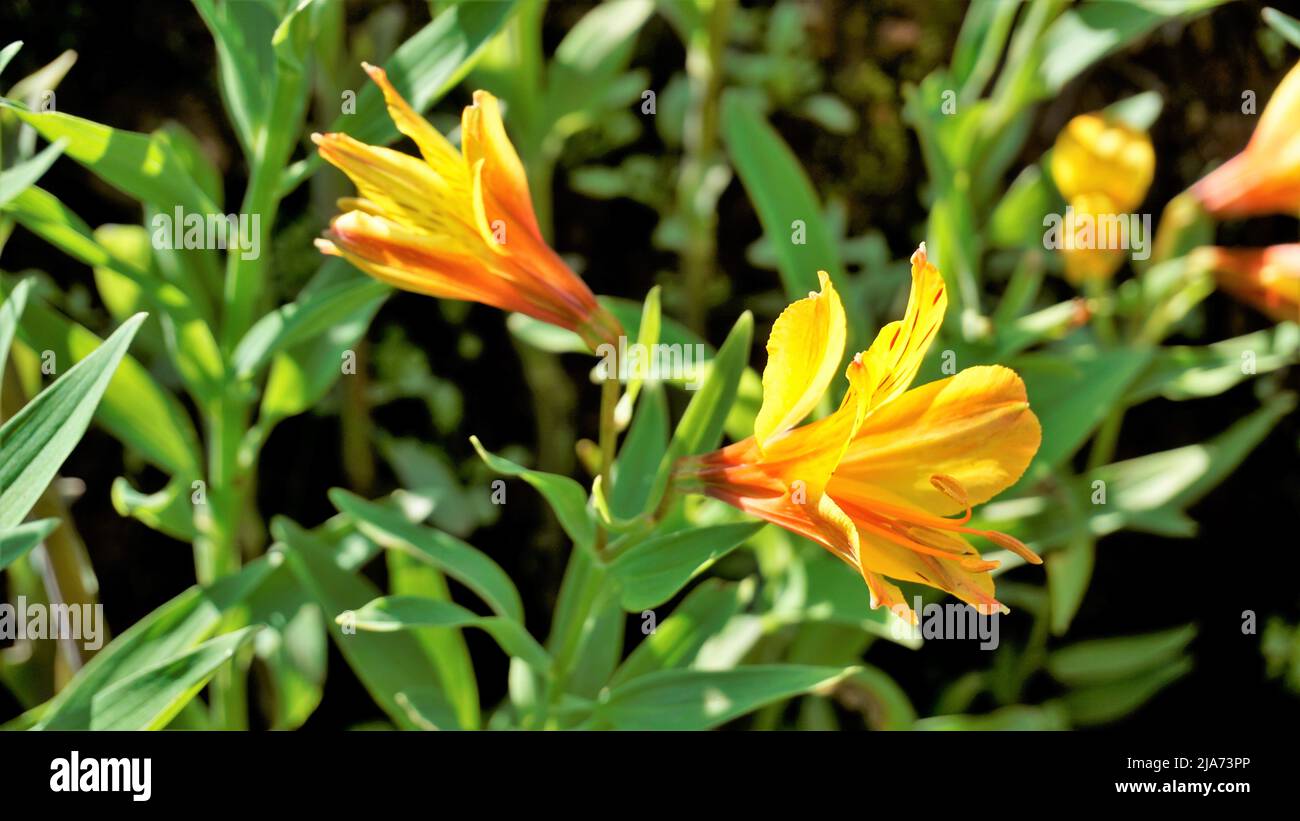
(1106, 440)
(218, 553)
(1103, 306)
(584, 580)
(608, 443)
(262, 200)
(701, 154)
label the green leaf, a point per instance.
(676, 640)
(406, 612)
(1102, 660)
(242, 34)
(565, 496)
(170, 631)
(700, 428)
(472, 568)
(651, 572)
(394, 668)
(301, 375)
(34, 443)
(1017, 221)
(445, 646)
(1068, 573)
(1072, 394)
(150, 699)
(828, 591)
(784, 198)
(169, 510)
(135, 409)
(7, 53)
(640, 456)
(16, 179)
(293, 648)
(11, 310)
(17, 542)
(594, 52)
(700, 700)
(1180, 372)
(1117, 699)
(1087, 33)
(189, 337)
(189, 151)
(140, 166)
(883, 700)
(1050, 716)
(647, 339)
(1283, 24)
(1180, 477)
(305, 319)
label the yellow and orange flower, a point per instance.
(879, 481)
(1268, 278)
(457, 225)
(1102, 168)
(1265, 177)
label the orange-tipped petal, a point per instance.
(1265, 177)
(483, 138)
(1266, 278)
(441, 156)
(896, 355)
(458, 226)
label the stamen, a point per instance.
(951, 488)
(898, 534)
(977, 565)
(931, 538)
(1011, 543)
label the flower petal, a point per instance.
(900, 347)
(883, 557)
(441, 155)
(975, 427)
(399, 185)
(803, 353)
(435, 265)
(483, 138)
(809, 454)
(1097, 155)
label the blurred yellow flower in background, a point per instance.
(876, 481)
(1103, 168)
(457, 225)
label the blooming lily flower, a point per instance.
(1103, 169)
(1265, 177)
(457, 225)
(1268, 278)
(878, 481)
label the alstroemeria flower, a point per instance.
(1265, 177)
(1103, 169)
(1268, 278)
(457, 225)
(878, 481)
